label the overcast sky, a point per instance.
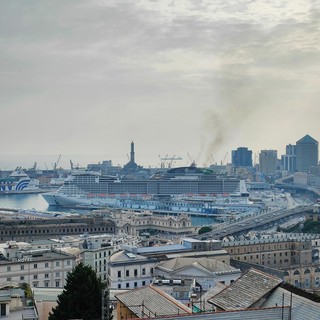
(175, 76)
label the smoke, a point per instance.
(223, 123)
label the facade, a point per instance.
(43, 268)
(295, 257)
(242, 157)
(273, 253)
(30, 229)
(307, 153)
(289, 160)
(129, 271)
(207, 272)
(133, 223)
(268, 161)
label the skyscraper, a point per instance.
(268, 161)
(307, 153)
(242, 157)
(288, 160)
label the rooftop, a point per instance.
(245, 291)
(150, 302)
(204, 263)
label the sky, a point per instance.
(185, 78)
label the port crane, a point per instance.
(167, 158)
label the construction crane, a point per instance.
(163, 161)
(224, 159)
(56, 163)
(193, 163)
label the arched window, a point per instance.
(296, 272)
(306, 271)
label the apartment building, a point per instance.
(43, 268)
(127, 270)
(273, 253)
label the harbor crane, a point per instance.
(167, 158)
(193, 163)
(224, 159)
(56, 163)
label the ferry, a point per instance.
(18, 182)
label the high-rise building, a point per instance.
(288, 161)
(268, 161)
(307, 153)
(242, 157)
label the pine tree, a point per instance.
(81, 297)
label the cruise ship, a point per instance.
(18, 182)
(187, 189)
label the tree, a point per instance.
(81, 297)
(27, 290)
(204, 229)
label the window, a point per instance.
(57, 284)
(8, 279)
(57, 274)
(8, 268)
(46, 275)
(119, 285)
(21, 278)
(143, 283)
(22, 267)
(119, 274)
(35, 276)
(57, 263)
(143, 271)
(35, 266)
(46, 265)
(127, 285)
(68, 263)
(127, 273)
(135, 284)
(46, 284)
(135, 272)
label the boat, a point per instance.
(164, 191)
(18, 182)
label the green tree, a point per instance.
(27, 290)
(81, 297)
(204, 229)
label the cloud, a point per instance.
(180, 76)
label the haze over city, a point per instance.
(176, 77)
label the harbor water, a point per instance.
(36, 201)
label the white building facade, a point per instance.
(129, 271)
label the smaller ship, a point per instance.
(18, 182)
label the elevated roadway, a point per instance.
(262, 220)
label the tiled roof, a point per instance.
(245, 291)
(150, 302)
(254, 314)
(209, 264)
(302, 308)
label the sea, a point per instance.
(37, 202)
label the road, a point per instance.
(264, 219)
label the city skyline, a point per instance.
(176, 77)
(47, 161)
